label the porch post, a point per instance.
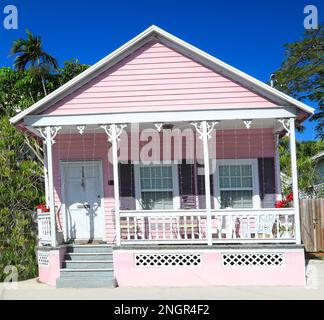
(294, 176)
(205, 129)
(116, 181)
(207, 183)
(48, 134)
(46, 174)
(49, 141)
(277, 168)
(113, 132)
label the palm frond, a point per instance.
(50, 60)
(21, 62)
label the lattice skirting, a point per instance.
(252, 259)
(43, 258)
(169, 260)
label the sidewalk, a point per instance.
(31, 289)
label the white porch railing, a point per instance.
(190, 226)
(163, 226)
(44, 228)
(246, 225)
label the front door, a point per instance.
(83, 194)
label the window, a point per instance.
(235, 186)
(156, 186)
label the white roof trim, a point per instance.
(318, 156)
(151, 31)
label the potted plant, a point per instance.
(42, 208)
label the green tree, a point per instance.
(21, 188)
(71, 69)
(21, 172)
(301, 75)
(30, 55)
(307, 174)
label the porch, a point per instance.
(222, 193)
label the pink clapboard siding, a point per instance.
(230, 144)
(253, 143)
(157, 78)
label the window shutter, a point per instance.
(126, 186)
(187, 185)
(201, 183)
(186, 178)
(266, 176)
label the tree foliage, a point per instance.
(31, 56)
(21, 188)
(301, 75)
(305, 151)
(21, 171)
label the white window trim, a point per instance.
(255, 180)
(175, 182)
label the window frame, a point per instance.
(175, 184)
(256, 201)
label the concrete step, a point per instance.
(90, 274)
(99, 248)
(88, 256)
(88, 264)
(86, 283)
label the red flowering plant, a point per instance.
(42, 207)
(284, 203)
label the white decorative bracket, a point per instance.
(159, 126)
(114, 134)
(200, 128)
(53, 132)
(285, 124)
(81, 129)
(247, 123)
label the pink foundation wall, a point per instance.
(49, 274)
(251, 143)
(211, 272)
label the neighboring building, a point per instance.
(162, 169)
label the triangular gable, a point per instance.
(264, 93)
(158, 78)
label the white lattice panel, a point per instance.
(43, 259)
(163, 260)
(252, 259)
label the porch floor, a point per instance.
(235, 246)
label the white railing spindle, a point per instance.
(181, 226)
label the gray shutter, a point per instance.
(187, 185)
(201, 183)
(186, 178)
(266, 176)
(126, 186)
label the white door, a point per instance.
(83, 194)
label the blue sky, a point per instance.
(247, 34)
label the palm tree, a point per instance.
(31, 56)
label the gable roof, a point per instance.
(154, 32)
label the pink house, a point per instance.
(162, 169)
